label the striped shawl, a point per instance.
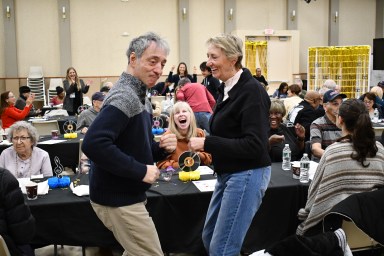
(337, 177)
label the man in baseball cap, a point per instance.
(324, 131)
(331, 95)
(87, 116)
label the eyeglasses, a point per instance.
(11, 96)
(22, 138)
(368, 101)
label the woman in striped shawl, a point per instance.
(353, 164)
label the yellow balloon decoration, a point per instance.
(187, 176)
(72, 135)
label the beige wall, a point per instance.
(261, 14)
(205, 21)
(313, 27)
(97, 45)
(2, 63)
(98, 49)
(357, 19)
(37, 36)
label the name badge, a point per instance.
(72, 95)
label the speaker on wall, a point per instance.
(378, 54)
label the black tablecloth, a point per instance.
(178, 210)
(67, 151)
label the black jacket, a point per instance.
(212, 84)
(240, 127)
(17, 225)
(365, 209)
(306, 116)
(71, 104)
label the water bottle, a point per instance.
(304, 169)
(286, 165)
(376, 115)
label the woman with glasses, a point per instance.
(24, 159)
(369, 102)
(280, 134)
(9, 113)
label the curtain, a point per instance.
(347, 65)
(256, 56)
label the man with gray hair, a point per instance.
(329, 84)
(118, 182)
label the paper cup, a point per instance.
(296, 170)
(31, 189)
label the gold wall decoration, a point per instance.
(256, 51)
(347, 65)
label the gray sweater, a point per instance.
(86, 118)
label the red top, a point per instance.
(56, 101)
(12, 114)
(197, 96)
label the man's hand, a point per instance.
(168, 142)
(152, 174)
(196, 143)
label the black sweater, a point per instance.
(120, 144)
(17, 225)
(240, 127)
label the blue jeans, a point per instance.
(234, 203)
(202, 120)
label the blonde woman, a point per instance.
(182, 123)
(74, 89)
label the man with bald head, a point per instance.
(306, 111)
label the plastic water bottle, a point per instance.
(376, 115)
(286, 165)
(304, 169)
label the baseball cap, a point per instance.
(98, 96)
(381, 84)
(330, 95)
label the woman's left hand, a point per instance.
(88, 83)
(300, 130)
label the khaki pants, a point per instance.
(132, 227)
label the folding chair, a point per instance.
(45, 127)
(357, 239)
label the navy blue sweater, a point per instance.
(240, 127)
(120, 144)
